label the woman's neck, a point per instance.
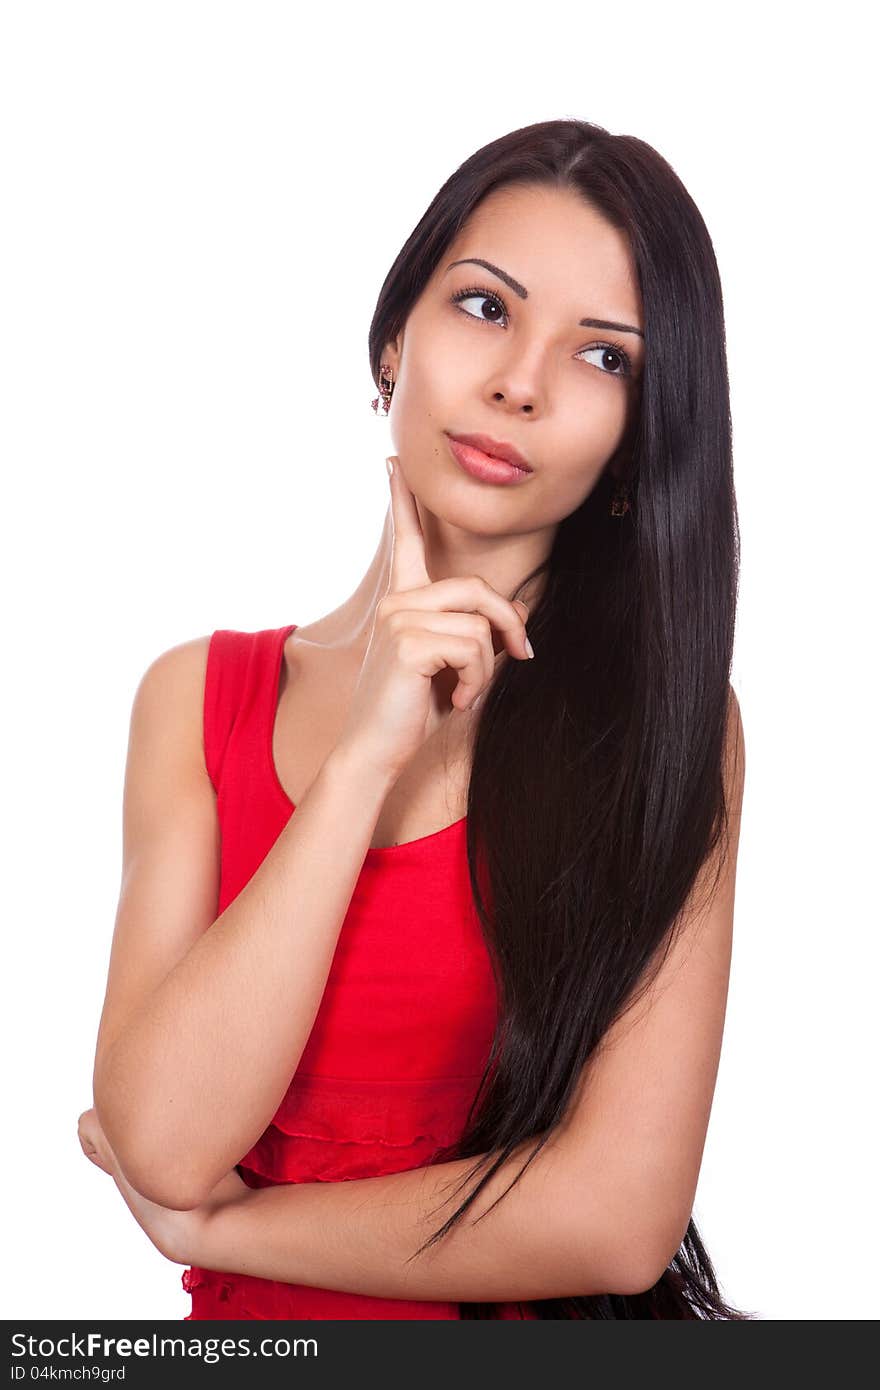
(350, 625)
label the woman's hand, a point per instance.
(421, 628)
(93, 1141)
(180, 1236)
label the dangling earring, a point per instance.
(386, 388)
(620, 501)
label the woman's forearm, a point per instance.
(546, 1239)
(195, 1077)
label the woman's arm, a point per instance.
(546, 1239)
(205, 1020)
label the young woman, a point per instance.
(482, 970)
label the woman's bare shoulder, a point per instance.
(169, 699)
(178, 669)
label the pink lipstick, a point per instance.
(484, 466)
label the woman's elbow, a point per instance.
(149, 1172)
(166, 1191)
(642, 1257)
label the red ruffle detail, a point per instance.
(328, 1129)
(285, 1158)
(218, 1296)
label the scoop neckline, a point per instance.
(373, 851)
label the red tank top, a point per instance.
(407, 1016)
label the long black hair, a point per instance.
(596, 790)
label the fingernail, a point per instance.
(529, 648)
(389, 464)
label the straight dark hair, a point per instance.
(596, 792)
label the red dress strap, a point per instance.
(228, 654)
(239, 687)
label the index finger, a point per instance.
(408, 569)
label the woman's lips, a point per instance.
(483, 466)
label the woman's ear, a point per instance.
(392, 352)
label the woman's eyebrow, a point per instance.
(523, 293)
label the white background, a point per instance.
(200, 205)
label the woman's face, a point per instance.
(517, 364)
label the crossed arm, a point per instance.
(601, 1209)
(358, 1236)
(558, 1231)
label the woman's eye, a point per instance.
(610, 360)
(482, 300)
